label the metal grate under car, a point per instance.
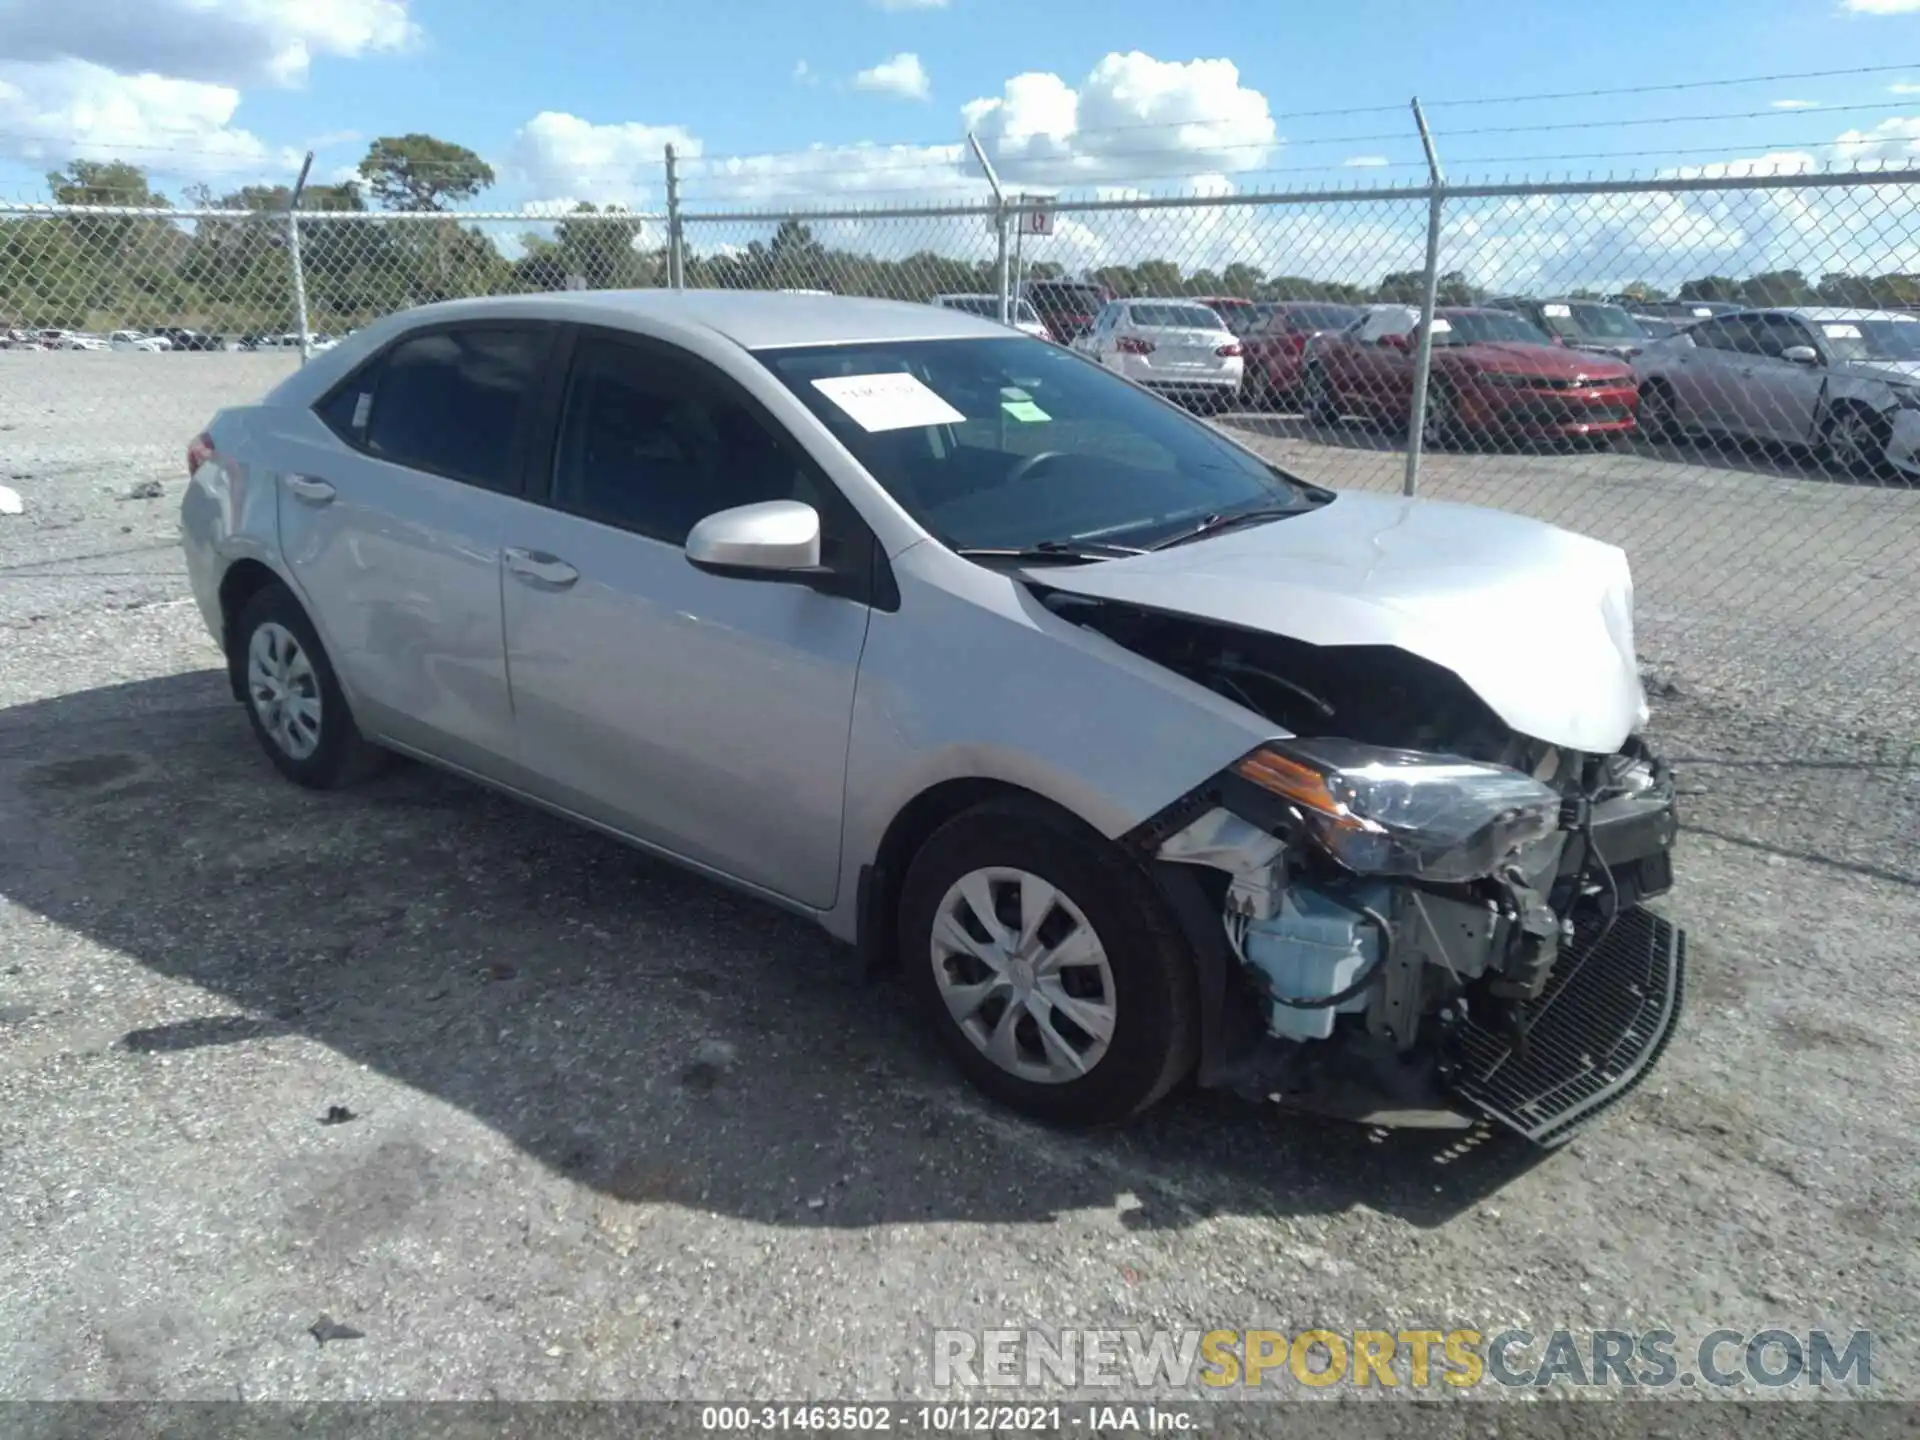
(1592, 1035)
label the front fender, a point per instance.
(974, 679)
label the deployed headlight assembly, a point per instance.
(1380, 811)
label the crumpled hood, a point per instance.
(1537, 620)
(1899, 372)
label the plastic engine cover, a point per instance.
(1314, 946)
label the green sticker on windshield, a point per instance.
(1025, 410)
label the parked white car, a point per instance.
(83, 342)
(138, 340)
(1175, 346)
(1024, 317)
(1843, 382)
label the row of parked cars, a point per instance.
(1841, 383)
(154, 341)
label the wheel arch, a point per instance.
(243, 580)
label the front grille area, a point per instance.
(1608, 1011)
(1551, 413)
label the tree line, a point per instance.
(234, 275)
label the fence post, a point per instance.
(1423, 356)
(999, 226)
(293, 258)
(676, 264)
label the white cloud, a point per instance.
(556, 155)
(221, 42)
(1882, 7)
(1903, 87)
(1365, 162)
(1132, 117)
(63, 110)
(909, 4)
(1796, 104)
(903, 75)
(1893, 140)
(803, 73)
(158, 82)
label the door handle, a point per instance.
(541, 568)
(307, 487)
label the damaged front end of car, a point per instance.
(1415, 915)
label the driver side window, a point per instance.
(654, 448)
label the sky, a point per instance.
(772, 103)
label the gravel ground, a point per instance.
(617, 1133)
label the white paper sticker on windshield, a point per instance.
(1841, 332)
(360, 408)
(891, 401)
(1558, 312)
(1441, 325)
(1700, 312)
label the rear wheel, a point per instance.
(1042, 959)
(1440, 427)
(294, 702)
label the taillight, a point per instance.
(1230, 350)
(1296, 341)
(199, 452)
(1133, 345)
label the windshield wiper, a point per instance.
(1228, 520)
(1076, 552)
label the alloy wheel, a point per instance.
(1023, 975)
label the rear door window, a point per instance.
(452, 402)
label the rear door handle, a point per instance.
(307, 487)
(541, 568)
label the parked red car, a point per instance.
(1494, 373)
(1276, 350)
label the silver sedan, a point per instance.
(1141, 758)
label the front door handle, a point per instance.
(309, 488)
(541, 568)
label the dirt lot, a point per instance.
(544, 1191)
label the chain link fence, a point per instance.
(1720, 374)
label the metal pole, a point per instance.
(1019, 260)
(999, 222)
(293, 256)
(676, 262)
(1423, 356)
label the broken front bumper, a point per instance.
(1607, 1013)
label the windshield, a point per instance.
(1175, 317)
(1083, 298)
(993, 443)
(1481, 327)
(1243, 319)
(1872, 339)
(1316, 317)
(1585, 320)
(988, 306)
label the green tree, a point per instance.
(1409, 287)
(103, 182)
(420, 172)
(1710, 287)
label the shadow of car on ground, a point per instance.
(641, 1030)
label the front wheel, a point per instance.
(1053, 977)
(1316, 398)
(1856, 441)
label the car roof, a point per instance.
(1840, 312)
(754, 319)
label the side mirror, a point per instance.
(773, 540)
(1801, 355)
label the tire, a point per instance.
(1854, 441)
(1317, 401)
(1440, 427)
(1655, 415)
(1142, 984)
(293, 698)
